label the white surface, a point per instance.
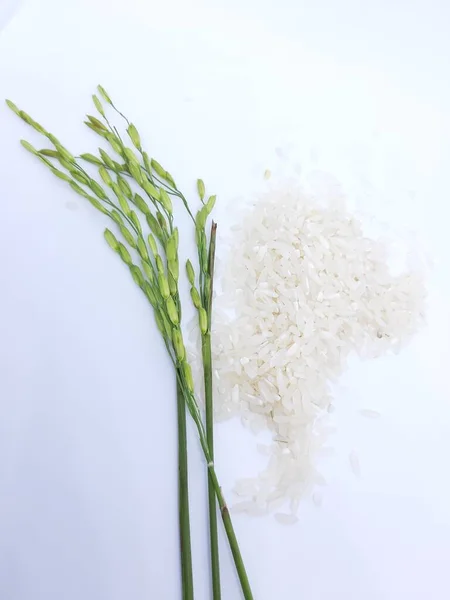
(87, 413)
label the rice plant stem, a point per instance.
(187, 582)
(209, 418)
(224, 512)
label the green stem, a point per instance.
(225, 513)
(209, 414)
(187, 581)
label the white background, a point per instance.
(360, 90)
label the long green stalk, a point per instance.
(187, 581)
(209, 420)
(224, 511)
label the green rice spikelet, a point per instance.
(165, 200)
(124, 254)
(111, 239)
(203, 320)
(98, 105)
(150, 294)
(142, 249)
(98, 190)
(28, 147)
(105, 176)
(135, 220)
(172, 284)
(134, 136)
(163, 286)
(141, 204)
(172, 310)
(148, 270)
(103, 94)
(155, 227)
(151, 190)
(159, 263)
(106, 159)
(187, 372)
(90, 158)
(137, 275)
(50, 153)
(173, 268)
(128, 237)
(196, 298)
(178, 346)
(190, 272)
(152, 244)
(125, 187)
(201, 189)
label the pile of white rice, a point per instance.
(303, 287)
